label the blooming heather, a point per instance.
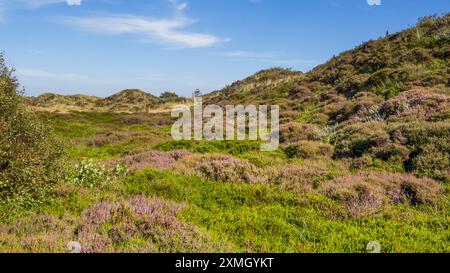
(153, 222)
(152, 159)
(367, 192)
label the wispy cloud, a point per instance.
(266, 58)
(171, 30)
(71, 77)
(58, 77)
(6, 5)
(40, 3)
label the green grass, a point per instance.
(228, 147)
(262, 218)
(266, 219)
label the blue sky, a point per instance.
(102, 46)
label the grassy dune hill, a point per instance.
(127, 101)
(416, 57)
(61, 103)
(130, 100)
(384, 104)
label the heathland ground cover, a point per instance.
(364, 157)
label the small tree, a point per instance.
(28, 151)
(168, 96)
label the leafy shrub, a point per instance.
(265, 159)
(28, 149)
(430, 146)
(431, 162)
(294, 131)
(388, 82)
(357, 139)
(392, 152)
(362, 162)
(309, 149)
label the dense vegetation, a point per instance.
(28, 152)
(365, 156)
(383, 104)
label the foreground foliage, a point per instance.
(28, 150)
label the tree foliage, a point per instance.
(28, 150)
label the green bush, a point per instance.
(359, 138)
(431, 162)
(229, 147)
(309, 150)
(28, 150)
(430, 143)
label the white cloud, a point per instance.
(73, 2)
(374, 2)
(172, 30)
(266, 58)
(178, 6)
(31, 4)
(37, 73)
(41, 3)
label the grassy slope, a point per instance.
(125, 101)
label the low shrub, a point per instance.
(357, 139)
(295, 177)
(430, 146)
(415, 104)
(309, 150)
(367, 192)
(392, 152)
(151, 159)
(362, 162)
(143, 224)
(431, 162)
(294, 131)
(225, 168)
(37, 234)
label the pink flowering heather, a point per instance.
(108, 225)
(415, 103)
(37, 234)
(152, 159)
(225, 168)
(365, 192)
